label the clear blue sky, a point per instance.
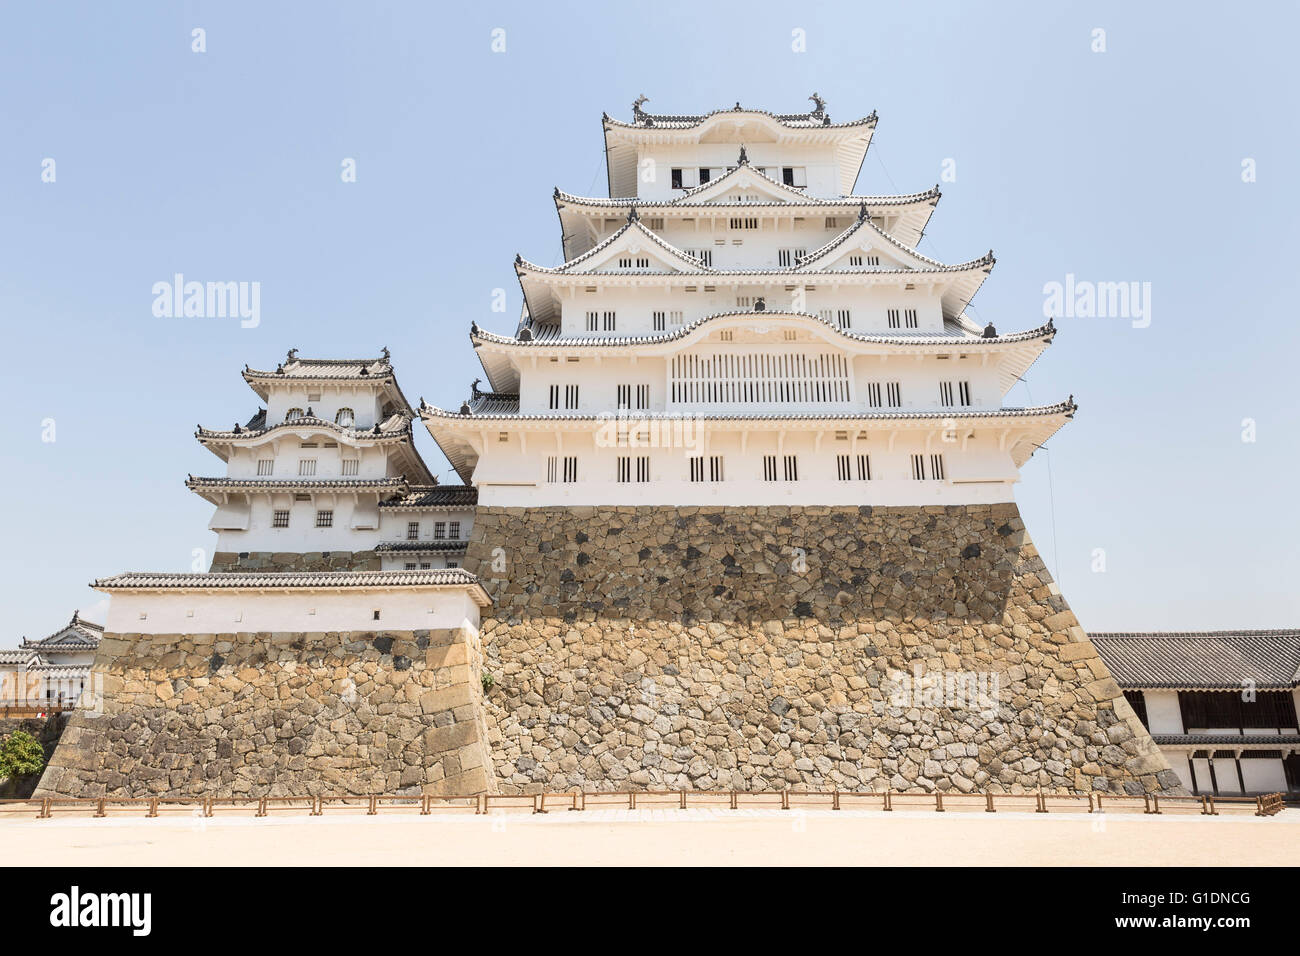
(1115, 166)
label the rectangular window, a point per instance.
(427, 565)
(555, 396)
(453, 564)
(624, 396)
(570, 396)
(552, 468)
(453, 530)
(410, 565)
(325, 519)
(789, 257)
(918, 467)
(893, 395)
(864, 468)
(280, 519)
(439, 530)
(608, 319)
(634, 468)
(963, 392)
(796, 176)
(844, 318)
(909, 318)
(412, 530)
(873, 394)
(593, 321)
(265, 466)
(675, 318)
(351, 466)
(744, 222)
(643, 396)
(769, 467)
(715, 468)
(945, 393)
(571, 468)
(657, 321)
(307, 467)
(892, 316)
(936, 467)
(704, 255)
(791, 468)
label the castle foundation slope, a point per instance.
(770, 647)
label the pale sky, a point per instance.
(1117, 166)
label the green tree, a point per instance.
(20, 755)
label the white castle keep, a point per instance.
(327, 477)
(735, 326)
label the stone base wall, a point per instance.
(756, 648)
(280, 714)
(295, 561)
(47, 731)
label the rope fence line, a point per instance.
(1040, 801)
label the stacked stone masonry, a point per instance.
(280, 714)
(755, 648)
(295, 561)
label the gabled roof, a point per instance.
(245, 486)
(1201, 660)
(494, 351)
(610, 247)
(736, 125)
(434, 498)
(446, 578)
(1036, 424)
(77, 634)
(324, 371)
(394, 430)
(19, 658)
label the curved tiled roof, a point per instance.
(77, 635)
(395, 427)
(955, 333)
(1225, 741)
(929, 195)
(421, 547)
(864, 221)
(1066, 408)
(809, 120)
(634, 220)
(293, 484)
(290, 580)
(1201, 660)
(362, 370)
(434, 497)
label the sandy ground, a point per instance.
(661, 837)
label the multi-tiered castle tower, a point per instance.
(745, 482)
(326, 476)
(738, 328)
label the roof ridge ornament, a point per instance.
(862, 212)
(384, 352)
(475, 389)
(760, 304)
(737, 107)
(639, 115)
(632, 214)
(744, 156)
(819, 106)
(990, 332)
(291, 357)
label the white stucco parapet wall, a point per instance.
(233, 602)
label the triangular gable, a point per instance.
(865, 238)
(636, 243)
(744, 179)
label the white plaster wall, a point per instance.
(634, 306)
(1163, 715)
(213, 611)
(365, 402)
(656, 162)
(1263, 776)
(286, 451)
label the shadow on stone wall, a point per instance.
(756, 648)
(283, 714)
(47, 731)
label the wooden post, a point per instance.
(261, 806)
(734, 805)
(45, 809)
(683, 804)
(1156, 801)
(785, 799)
(99, 808)
(988, 802)
(1146, 803)
(938, 802)
(631, 799)
(889, 804)
(373, 808)
(424, 805)
(1042, 802)
(153, 807)
(835, 799)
